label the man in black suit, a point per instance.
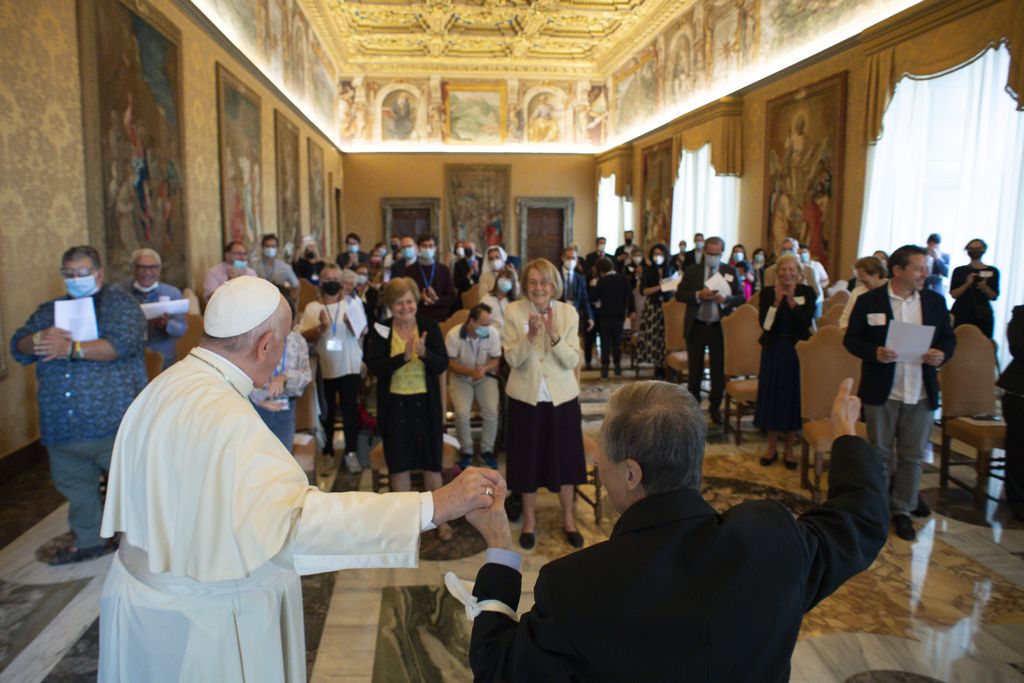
(407, 256)
(679, 591)
(590, 262)
(1012, 384)
(574, 290)
(353, 255)
(622, 251)
(703, 323)
(679, 258)
(900, 397)
(695, 255)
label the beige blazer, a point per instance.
(530, 362)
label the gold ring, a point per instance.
(489, 491)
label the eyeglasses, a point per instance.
(154, 267)
(538, 283)
(68, 274)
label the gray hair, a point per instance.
(348, 276)
(80, 252)
(146, 251)
(659, 425)
(714, 240)
(243, 343)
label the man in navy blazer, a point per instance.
(679, 591)
(900, 397)
(574, 290)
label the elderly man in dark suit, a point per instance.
(695, 255)
(703, 323)
(574, 290)
(679, 591)
(900, 397)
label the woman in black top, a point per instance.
(308, 264)
(613, 299)
(651, 330)
(975, 287)
(786, 314)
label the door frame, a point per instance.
(523, 206)
(389, 204)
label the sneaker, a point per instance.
(352, 463)
(490, 460)
(465, 460)
(904, 527)
(618, 371)
(922, 509)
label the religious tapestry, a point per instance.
(804, 167)
(289, 223)
(134, 141)
(477, 196)
(474, 112)
(238, 117)
(317, 217)
(657, 192)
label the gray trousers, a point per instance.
(486, 394)
(908, 425)
(76, 469)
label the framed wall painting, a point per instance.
(803, 190)
(317, 205)
(132, 116)
(475, 112)
(477, 197)
(289, 223)
(241, 195)
(659, 177)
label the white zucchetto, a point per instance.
(239, 305)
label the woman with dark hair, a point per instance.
(744, 271)
(975, 287)
(758, 265)
(651, 330)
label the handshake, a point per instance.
(478, 494)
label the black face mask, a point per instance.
(331, 288)
(975, 254)
(309, 255)
(629, 242)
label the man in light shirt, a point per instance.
(900, 397)
(820, 275)
(270, 267)
(474, 352)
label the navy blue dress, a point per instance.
(778, 385)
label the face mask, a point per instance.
(270, 252)
(505, 285)
(331, 288)
(409, 253)
(81, 286)
(570, 264)
(975, 254)
(139, 288)
(712, 261)
(758, 258)
(483, 332)
(637, 260)
(395, 247)
(362, 279)
(428, 253)
(375, 259)
(240, 264)
(353, 248)
(805, 257)
(497, 265)
(309, 255)
(738, 256)
(600, 249)
(629, 242)
(699, 246)
(471, 256)
(460, 252)
(789, 251)
(658, 259)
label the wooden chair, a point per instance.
(824, 364)
(676, 358)
(968, 388)
(840, 297)
(471, 297)
(379, 479)
(193, 333)
(740, 332)
(154, 363)
(193, 301)
(459, 317)
(307, 293)
(593, 478)
(832, 315)
(306, 424)
(755, 299)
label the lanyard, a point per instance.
(334, 318)
(433, 269)
(284, 359)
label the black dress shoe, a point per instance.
(527, 540)
(922, 509)
(574, 538)
(716, 415)
(904, 527)
(790, 464)
(767, 462)
(514, 507)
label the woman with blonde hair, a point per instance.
(544, 440)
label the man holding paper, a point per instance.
(164, 328)
(711, 291)
(901, 333)
(88, 350)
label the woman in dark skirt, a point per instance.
(544, 441)
(975, 287)
(651, 330)
(786, 314)
(407, 355)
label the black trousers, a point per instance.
(1013, 415)
(347, 387)
(707, 335)
(611, 341)
(589, 339)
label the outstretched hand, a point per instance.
(845, 411)
(492, 522)
(467, 492)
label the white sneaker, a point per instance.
(352, 463)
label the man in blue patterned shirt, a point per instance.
(84, 388)
(163, 332)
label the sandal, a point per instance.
(72, 555)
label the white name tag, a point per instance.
(333, 344)
(769, 319)
(876, 319)
(526, 327)
(382, 330)
(800, 301)
(729, 277)
(986, 274)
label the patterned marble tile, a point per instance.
(81, 663)
(27, 610)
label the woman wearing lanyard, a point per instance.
(275, 400)
(328, 324)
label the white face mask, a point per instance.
(658, 259)
(140, 288)
(497, 265)
(460, 252)
(570, 264)
(638, 260)
(270, 252)
(738, 256)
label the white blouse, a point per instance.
(339, 350)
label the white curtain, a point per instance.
(609, 215)
(951, 161)
(702, 201)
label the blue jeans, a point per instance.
(281, 422)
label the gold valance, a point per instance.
(721, 125)
(617, 162)
(944, 36)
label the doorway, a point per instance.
(410, 216)
(545, 226)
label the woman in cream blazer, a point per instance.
(544, 437)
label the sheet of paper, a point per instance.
(158, 308)
(671, 284)
(909, 341)
(77, 316)
(450, 440)
(302, 439)
(356, 317)
(719, 284)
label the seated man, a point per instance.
(234, 265)
(474, 354)
(679, 591)
(270, 267)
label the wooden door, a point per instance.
(545, 228)
(410, 221)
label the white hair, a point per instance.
(146, 251)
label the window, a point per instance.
(702, 201)
(614, 214)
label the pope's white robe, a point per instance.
(218, 522)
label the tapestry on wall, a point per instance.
(238, 117)
(3, 350)
(477, 196)
(804, 168)
(317, 208)
(136, 107)
(658, 178)
(289, 224)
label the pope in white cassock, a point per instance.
(218, 519)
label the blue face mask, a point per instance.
(79, 287)
(805, 257)
(505, 285)
(712, 261)
(483, 332)
(428, 253)
(789, 251)
(353, 248)
(240, 264)
(409, 253)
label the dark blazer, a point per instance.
(681, 592)
(342, 259)
(378, 359)
(693, 282)
(1012, 379)
(590, 262)
(653, 275)
(691, 258)
(616, 298)
(574, 291)
(398, 269)
(801, 316)
(863, 341)
(464, 275)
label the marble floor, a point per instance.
(948, 607)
